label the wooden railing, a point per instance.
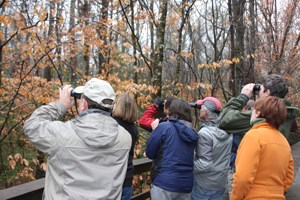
(34, 190)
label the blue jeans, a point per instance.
(126, 193)
(200, 193)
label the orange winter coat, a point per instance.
(264, 165)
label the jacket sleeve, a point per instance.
(290, 175)
(204, 157)
(154, 143)
(40, 126)
(247, 163)
(232, 120)
(148, 117)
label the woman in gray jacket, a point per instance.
(211, 162)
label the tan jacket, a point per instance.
(87, 156)
(264, 165)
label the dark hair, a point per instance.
(94, 105)
(168, 101)
(273, 109)
(276, 84)
(181, 109)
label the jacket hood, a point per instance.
(219, 133)
(212, 127)
(96, 128)
(211, 122)
(185, 130)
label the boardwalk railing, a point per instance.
(34, 190)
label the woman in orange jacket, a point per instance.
(264, 164)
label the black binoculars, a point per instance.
(73, 93)
(195, 105)
(256, 88)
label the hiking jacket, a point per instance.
(212, 158)
(171, 146)
(133, 131)
(148, 117)
(234, 121)
(264, 165)
(87, 156)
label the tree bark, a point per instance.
(237, 30)
(47, 70)
(232, 82)
(252, 41)
(73, 60)
(59, 7)
(134, 42)
(102, 34)
(86, 47)
(159, 48)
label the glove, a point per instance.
(159, 103)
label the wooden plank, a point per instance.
(34, 190)
(31, 190)
(142, 196)
(142, 165)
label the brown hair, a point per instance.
(181, 109)
(273, 109)
(125, 108)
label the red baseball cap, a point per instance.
(212, 103)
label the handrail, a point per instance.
(34, 190)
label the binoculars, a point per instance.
(195, 105)
(74, 94)
(256, 88)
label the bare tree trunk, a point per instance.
(152, 30)
(133, 38)
(73, 60)
(232, 83)
(103, 35)
(86, 49)
(252, 41)
(47, 70)
(59, 7)
(185, 11)
(237, 31)
(159, 47)
(1, 47)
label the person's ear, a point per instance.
(83, 105)
(268, 92)
(257, 113)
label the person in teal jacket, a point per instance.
(234, 121)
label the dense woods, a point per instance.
(190, 49)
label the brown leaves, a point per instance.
(25, 162)
(18, 157)
(12, 164)
(13, 160)
(25, 175)
(43, 166)
(137, 151)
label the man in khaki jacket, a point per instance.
(87, 155)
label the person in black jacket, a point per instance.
(125, 112)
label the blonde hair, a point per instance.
(125, 108)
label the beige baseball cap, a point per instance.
(97, 90)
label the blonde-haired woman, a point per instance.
(125, 112)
